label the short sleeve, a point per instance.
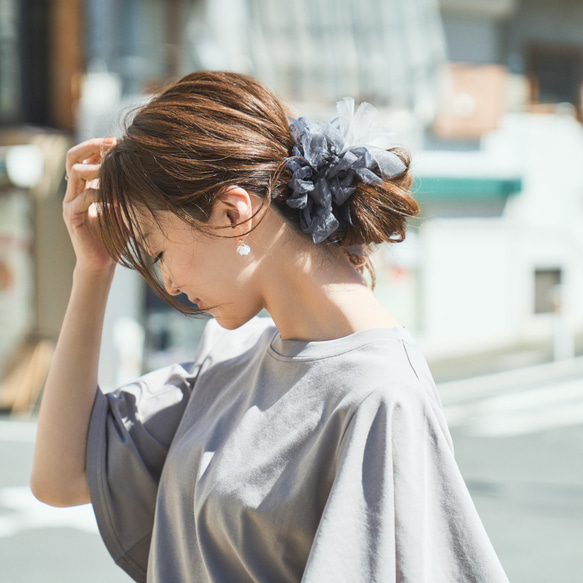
(129, 435)
(399, 509)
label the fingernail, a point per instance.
(109, 140)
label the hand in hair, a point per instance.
(79, 210)
(58, 473)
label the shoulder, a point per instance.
(383, 377)
(380, 364)
(401, 397)
(386, 362)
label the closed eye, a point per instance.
(158, 258)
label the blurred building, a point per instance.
(316, 52)
(486, 93)
(501, 184)
(41, 63)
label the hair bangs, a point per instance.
(119, 224)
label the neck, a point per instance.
(313, 292)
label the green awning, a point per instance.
(428, 187)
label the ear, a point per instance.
(233, 207)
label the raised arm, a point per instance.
(59, 474)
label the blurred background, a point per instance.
(487, 95)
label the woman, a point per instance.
(308, 447)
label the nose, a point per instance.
(169, 284)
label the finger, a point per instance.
(80, 204)
(109, 143)
(88, 149)
(90, 197)
(79, 176)
(93, 183)
(93, 210)
(95, 159)
(84, 208)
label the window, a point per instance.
(546, 290)
(555, 74)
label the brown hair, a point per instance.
(209, 131)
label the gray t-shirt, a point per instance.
(270, 460)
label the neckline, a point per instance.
(315, 349)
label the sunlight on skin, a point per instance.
(310, 291)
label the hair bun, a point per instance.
(380, 212)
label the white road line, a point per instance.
(527, 422)
(558, 404)
(486, 386)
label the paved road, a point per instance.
(519, 444)
(38, 543)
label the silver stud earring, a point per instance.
(243, 248)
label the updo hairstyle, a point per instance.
(205, 133)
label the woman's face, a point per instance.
(206, 268)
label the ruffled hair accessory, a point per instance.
(328, 158)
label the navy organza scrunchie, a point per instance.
(327, 159)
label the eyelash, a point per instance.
(158, 258)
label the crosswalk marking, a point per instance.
(519, 411)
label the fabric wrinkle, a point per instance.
(288, 461)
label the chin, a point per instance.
(232, 322)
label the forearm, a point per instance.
(59, 476)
